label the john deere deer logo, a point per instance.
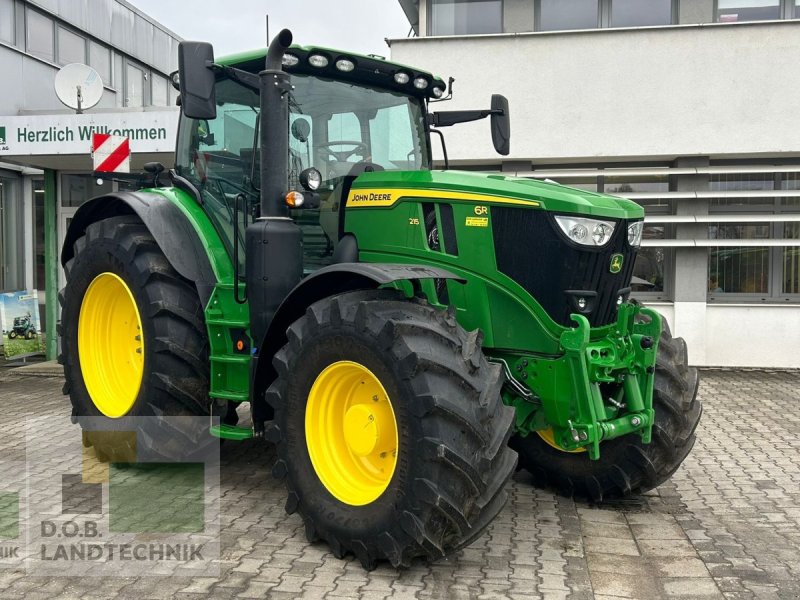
(2, 135)
(616, 263)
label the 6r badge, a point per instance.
(616, 263)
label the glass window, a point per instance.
(653, 264)
(218, 155)
(790, 279)
(635, 185)
(134, 86)
(393, 137)
(739, 270)
(650, 268)
(12, 257)
(581, 183)
(39, 35)
(742, 183)
(100, 61)
(71, 47)
(7, 21)
(636, 13)
(38, 234)
(732, 11)
(461, 17)
(343, 128)
(555, 15)
(768, 272)
(77, 189)
(159, 94)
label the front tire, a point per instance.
(438, 424)
(133, 335)
(626, 465)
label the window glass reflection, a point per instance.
(567, 14)
(638, 13)
(733, 11)
(461, 17)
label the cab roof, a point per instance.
(370, 69)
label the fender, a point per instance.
(171, 229)
(328, 281)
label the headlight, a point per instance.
(635, 233)
(318, 60)
(420, 83)
(289, 60)
(310, 179)
(587, 232)
(401, 77)
(345, 65)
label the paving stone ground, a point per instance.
(727, 525)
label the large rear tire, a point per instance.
(425, 471)
(626, 465)
(133, 335)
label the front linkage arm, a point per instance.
(569, 390)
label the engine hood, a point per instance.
(381, 187)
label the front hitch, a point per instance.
(598, 389)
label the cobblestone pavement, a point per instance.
(726, 525)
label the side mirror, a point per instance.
(501, 124)
(196, 80)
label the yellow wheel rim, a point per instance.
(111, 345)
(351, 433)
(550, 440)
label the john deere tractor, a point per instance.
(399, 333)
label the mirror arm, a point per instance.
(452, 117)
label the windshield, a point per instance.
(333, 126)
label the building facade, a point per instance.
(45, 162)
(687, 107)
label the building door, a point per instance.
(74, 190)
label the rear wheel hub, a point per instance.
(111, 345)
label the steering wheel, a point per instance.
(343, 155)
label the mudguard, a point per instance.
(171, 229)
(328, 281)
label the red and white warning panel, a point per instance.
(111, 153)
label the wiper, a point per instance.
(293, 104)
(246, 79)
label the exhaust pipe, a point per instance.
(274, 134)
(274, 246)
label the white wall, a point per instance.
(649, 92)
(736, 335)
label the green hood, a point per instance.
(548, 196)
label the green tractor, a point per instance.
(23, 327)
(401, 334)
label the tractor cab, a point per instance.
(347, 115)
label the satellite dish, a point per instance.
(78, 86)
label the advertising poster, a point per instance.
(19, 321)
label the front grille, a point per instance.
(531, 249)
